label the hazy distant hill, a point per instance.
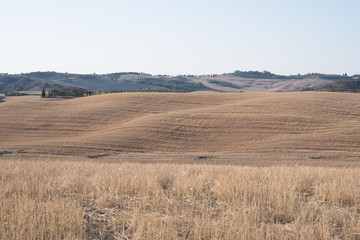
(96, 82)
(228, 82)
(344, 85)
(255, 81)
(23, 83)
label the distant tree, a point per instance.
(43, 94)
(54, 93)
(73, 92)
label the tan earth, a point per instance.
(261, 85)
(306, 126)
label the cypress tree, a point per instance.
(43, 93)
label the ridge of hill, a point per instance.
(228, 82)
(344, 85)
(301, 124)
(132, 81)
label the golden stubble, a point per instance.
(308, 125)
(56, 199)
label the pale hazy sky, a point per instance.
(180, 36)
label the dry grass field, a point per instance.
(299, 125)
(52, 199)
(181, 166)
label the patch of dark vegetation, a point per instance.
(225, 84)
(11, 94)
(15, 83)
(317, 157)
(119, 74)
(42, 75)
(269, 75)
(98, 155)
(256, 74)
(10, 83)
(181, 84)
(66, 92)
(2, 99)
(4, 152)
(345, 85)
(205, 157)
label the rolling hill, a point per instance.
(283, 125)
(344, 85)
(129, 81)
(238, 81)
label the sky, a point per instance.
(180, 36)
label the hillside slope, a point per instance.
(229, 83)
(345, 85)
(263, 124)
(238, 81)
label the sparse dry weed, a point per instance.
(95, 200)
